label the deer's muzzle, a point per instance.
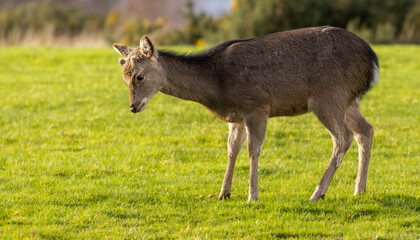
(133, 108)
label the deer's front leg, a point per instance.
(256, 128)
(235, 141)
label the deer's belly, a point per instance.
(228, 116)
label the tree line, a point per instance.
(376, 21)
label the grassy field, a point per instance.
(75, 163)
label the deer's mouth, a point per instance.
(138, 108)
(142, 107)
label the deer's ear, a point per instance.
(146, 46)
(122, 49)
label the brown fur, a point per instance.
(244, 82)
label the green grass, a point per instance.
(75, 163)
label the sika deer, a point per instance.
(325, 70)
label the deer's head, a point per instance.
(141, 72)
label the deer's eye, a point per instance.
(140, 77)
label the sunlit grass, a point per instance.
(76, 163)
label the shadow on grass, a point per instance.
(287, 235)
(79, 201)
(399, 201)
(360, 207)
(123, 214)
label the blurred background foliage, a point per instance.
(376, 21)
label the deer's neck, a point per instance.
(190, 78)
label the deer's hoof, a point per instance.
(316, 197)
(224, 196)
(252, 198)
(358, 191)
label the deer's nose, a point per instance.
(133, 108)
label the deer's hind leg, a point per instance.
(363, 133)
(333, 117)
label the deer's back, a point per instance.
(283, 70)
